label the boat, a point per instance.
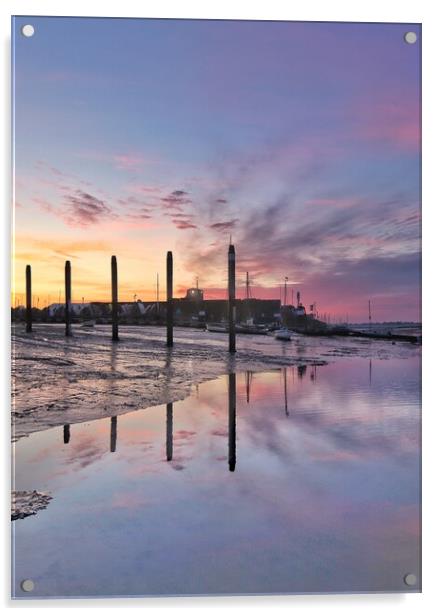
(239, 329)
(283, 334)
(89, 323)
(250, 329)
(217, 328)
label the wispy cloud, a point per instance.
(83, 209)
(224, 226)
(176, 200)
(184, 224)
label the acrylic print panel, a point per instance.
(216, 307)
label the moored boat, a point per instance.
(239, 329)
(283, 334)
(251, 329)
(217, 328)
(89, 323)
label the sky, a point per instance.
(301, 141)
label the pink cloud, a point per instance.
(184, 224)
(129, 162)
(145, 189)
(398, 125)
(125, 161)
(224, 226)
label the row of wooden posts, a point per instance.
(115, 315)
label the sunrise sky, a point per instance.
(134, 137)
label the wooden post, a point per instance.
(169, 431)
(232, 423)
(115, 316)
(113, 433)
(169, 299)
(28, 299)
(68, 296)
(66, 433)
(231, 297)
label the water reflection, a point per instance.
(302, 370)
(232, 403)
(327, 500)
(113, 433)
(248, 377)
(169, 440)
(286, 409)
(287, 380)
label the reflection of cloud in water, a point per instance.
(324, 499)
(177, 466)
(184, 435)
(220, 432)
(85, 451)
(335, 421)
(128, 500)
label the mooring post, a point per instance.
(169, 431)
(68, 296)
(231, 297)
(113, 433)
(115, 331)
(28, 299)
(169, 298)
(66, 434)
(232, 422)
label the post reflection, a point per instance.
(113, 434)
(302, 371)
(66, 434)
(232, 400)
(286, 408)
(169, 441)
(248, 376)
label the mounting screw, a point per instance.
(410, 38)
(27, 585)
(410, 579)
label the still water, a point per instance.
(286, 481)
